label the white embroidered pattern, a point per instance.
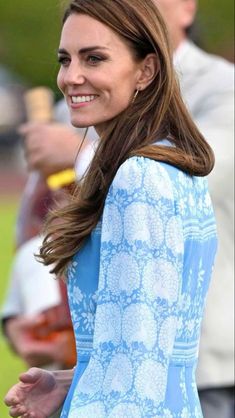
(119, 375)
(139, 326)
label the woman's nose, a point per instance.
(74, 74)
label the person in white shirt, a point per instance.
(49, 148)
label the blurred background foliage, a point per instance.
(29, 35)
(215, 20)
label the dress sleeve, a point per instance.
(139, 286)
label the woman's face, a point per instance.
(98, 74)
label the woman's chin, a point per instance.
(80, 124)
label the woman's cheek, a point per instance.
(60, 82)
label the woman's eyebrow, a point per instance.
(84, 50)
(62, 51)
(91, 48)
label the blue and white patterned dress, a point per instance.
(137, 291)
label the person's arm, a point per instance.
(138, 296)
(20, 332)
(25, 310)
(50, 147)
(213, 113)
(53, 147)
(39, 393)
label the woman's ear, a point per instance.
(149, 69)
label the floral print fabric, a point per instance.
(155, 257)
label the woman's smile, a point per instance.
(82, 100)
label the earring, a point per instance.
(135, 95)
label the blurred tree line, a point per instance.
(29, 37)
(30, 30)
(215, 26)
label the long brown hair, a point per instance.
(157, 112)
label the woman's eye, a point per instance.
(94, 59)
(64, 61)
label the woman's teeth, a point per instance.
(82, 99)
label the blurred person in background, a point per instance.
(26, 302)
(207, 85)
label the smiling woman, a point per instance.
(99, 80)
(137, 240)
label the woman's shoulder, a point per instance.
(138, 172)
(142, 179)
(142, 174)
(151, 184)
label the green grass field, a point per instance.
(10, 365)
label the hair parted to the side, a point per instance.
(157, 112)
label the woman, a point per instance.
(138, 238)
